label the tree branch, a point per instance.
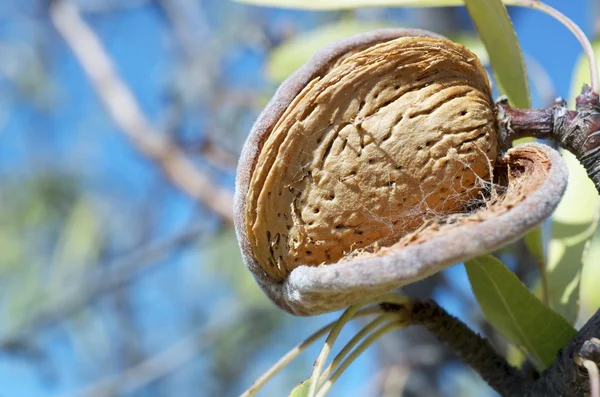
(473, 349)
(94, 285)
(163, 363)
(565, 377)
(123, 108)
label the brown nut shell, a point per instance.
(357, 150)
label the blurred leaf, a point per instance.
(78, 245)
(490, 17)
(534, 240)
(574, 221)
(497, 33)
(25, 298)
(12, 249)
(573, 224)
(32, 216)
(581, 74)
(222, 259)
(473, 43)
(301, 390)
(349, 4)
(515, 356)
(590, 273)
(514, 311)
(535, 243)
(292, 54)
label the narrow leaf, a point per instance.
(496, 31)
(573, 225)
(590, 273)
(581, 73)
(534, 240)
(301, 390)
(292, 54)
(574, 221)
(514, 311)
(473, 43)
(349, 4)
(222, 261)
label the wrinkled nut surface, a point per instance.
(391, 134)
(382, 143)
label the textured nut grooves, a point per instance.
(535, 178)
(386, 139)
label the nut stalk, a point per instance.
(578, 130)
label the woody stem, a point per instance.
(575, 130)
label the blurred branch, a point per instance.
(189, 23)
(217, 156)
(201, 79)
(105, 6)
(211, 152)
(123, 108)
(165, 362)
(94, 285)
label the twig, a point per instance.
(295, 352)
(470, 347)
(95, 284)
(364, 345)
(162, 363)
(123, 108)
(577, 32)
(322, 357)
(189, 23)
(574, 130)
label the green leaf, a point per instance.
(497, 33)
(292, 54)
(534, 240)
(590, 273)
(573, 225)
(78, 244)
(473, 43)
(350, 4)
(581, 74)
(574, 221)
(514, 311)
(490, 18)
(301, 390)
(13, 250)
(223, 263)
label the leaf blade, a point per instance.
(323, 5)
(534, 241)
(349, 4)
(573, 225)
(512, 309)
(292, 54)
(574, 221)
(497, 33)
(301, 390)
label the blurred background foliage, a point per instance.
(114, 281)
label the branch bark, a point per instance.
(565, 377)
(123, 108)
(163, 363)
(95, 284)
(577, 131)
